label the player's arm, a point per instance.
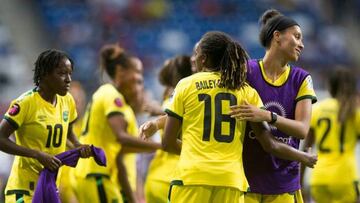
(123, 179)
(8, 146)
(73, 142)
(119, 126)
(279, 149)
(308, 143)
(299, 127)
(170, 143)
(149, 128)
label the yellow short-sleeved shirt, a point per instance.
(39, 125)
(162, 165)
(335, 143)
(107, 100)
(212, 140)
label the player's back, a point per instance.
(96, 129)
(335, 142)
(212, 140)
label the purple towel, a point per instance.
(46, 190)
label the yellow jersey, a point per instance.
(107, 100)
(212, 141)
(41, 126)
(162, 165)
(335, 143)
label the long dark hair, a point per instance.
(47, 61)
(111, 56)
(225, 56)
(270, 21)
(342, 86)
(173, 71)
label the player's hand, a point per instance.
(248, 112)
(48, 161)
(85, 151)
(148, 129)
(310, 159)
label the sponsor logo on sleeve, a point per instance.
(118, 102)
(14, 110)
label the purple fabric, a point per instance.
(46, 190)
(267, 174)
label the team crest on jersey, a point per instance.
(66, 116)
(14, 110)
(118, 102)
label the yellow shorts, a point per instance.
(156, 191)
(342, 193)
(96, 188)
(281, 198)
(18, 198)
(203, 193)
(66, 190)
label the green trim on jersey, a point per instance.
(172, 114)
(313, 99)
(11, 122)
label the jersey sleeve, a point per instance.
(175, 106)
(254, 98)
(17, 112)
(306, 90)
(114, 104)
(72, 108)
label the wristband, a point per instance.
(273, 117)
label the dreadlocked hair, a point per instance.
(111, 56)
(342, 84)
(227, 57)
(47, 61)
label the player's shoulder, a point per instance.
(26, 97)
(297, 70)
(247, 89)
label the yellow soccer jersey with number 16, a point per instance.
(212, 140)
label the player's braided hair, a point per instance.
(342, 84)
(225, 56)
(47, 61)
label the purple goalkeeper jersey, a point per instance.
(267, 174)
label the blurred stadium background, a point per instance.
(157, 29)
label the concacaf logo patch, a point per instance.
(65, 115)
(118, 102)
(14, 110)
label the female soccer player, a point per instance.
(335, 129)
(287, 94)
(162, 166)
(67, 175)
(42, 121)
(210, 166)
(110, 123)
